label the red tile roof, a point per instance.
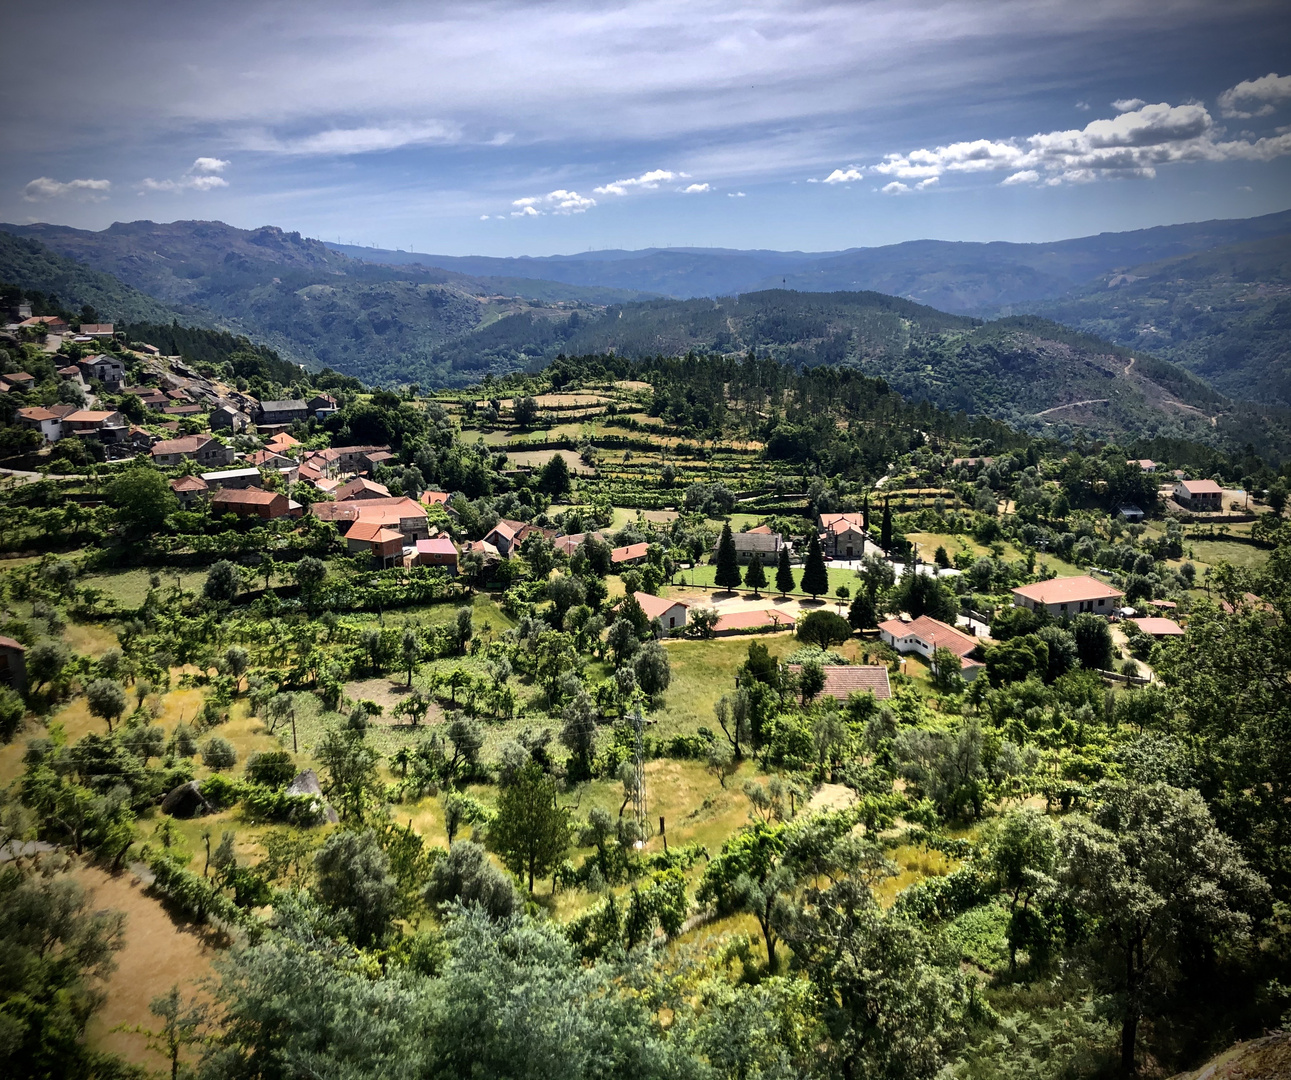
(843, 680)
(656, 606)
(1067, 590)
(360, 486)
(438, 545)
(630, 551)
(247, 496)
(936, 633)
(750, 620)
(1201, 487)
(1159, 627)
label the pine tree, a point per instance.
(728, 562)
(755, 577)
(885, 537)
(784, 572)
(815, 578)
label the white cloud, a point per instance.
(559, 201)
(648, 181)
(1083, 106)
(208, 165)
(343, 142)
(1133, 144)
(45, 187)
(186, 183)
(1255, 97)
(695, 189)
(1128, 104)
(735, 194)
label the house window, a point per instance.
(672, 621)
(1101, 602)
(1063, 608)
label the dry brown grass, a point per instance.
(158, 954)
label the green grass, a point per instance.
(1213, 552)
(129, 587)
(705, 573)
(702, 671)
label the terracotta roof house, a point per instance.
(844, 536)
(630, 554)
(51, 323)
(1199, 494)
(107, 425)
(254, 502)
(398, 512)
(671, 613)
(48, 423)
(96, 329)
(21, 380)
(361, 488)
(435, 498)
(1164, 605)
(341, 460)
(267, 458)
(183, 410)
(926, 635)
(844, 680)
(1159, 627)
(384, 545)
(503, 535)
(377, 457)
(344, 515)
(13, 664)
(1146, 464)
(201, 448)
(571, 542)
(189, 489)
(735, 622)
(281, 443)
(437, 551)
(1068, 596)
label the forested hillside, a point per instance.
(1223, 314)
(398, 325)
(971, 278)
(30, 265)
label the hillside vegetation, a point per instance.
(1224, 314)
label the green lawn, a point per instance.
(705, 573)
(702, 671)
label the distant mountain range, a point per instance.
(967, 278)
(1211, 296)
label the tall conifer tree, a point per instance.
(728, 563)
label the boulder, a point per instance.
(186, 801)
(306, 783)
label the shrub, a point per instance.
(272, 768)
(218, 753)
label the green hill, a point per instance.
(32, 266)
(1223, 314)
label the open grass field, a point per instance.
(703, 576)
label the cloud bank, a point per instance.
(45, 187)
(1134, 143)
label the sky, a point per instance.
(536, 128)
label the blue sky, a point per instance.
(535, 128)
